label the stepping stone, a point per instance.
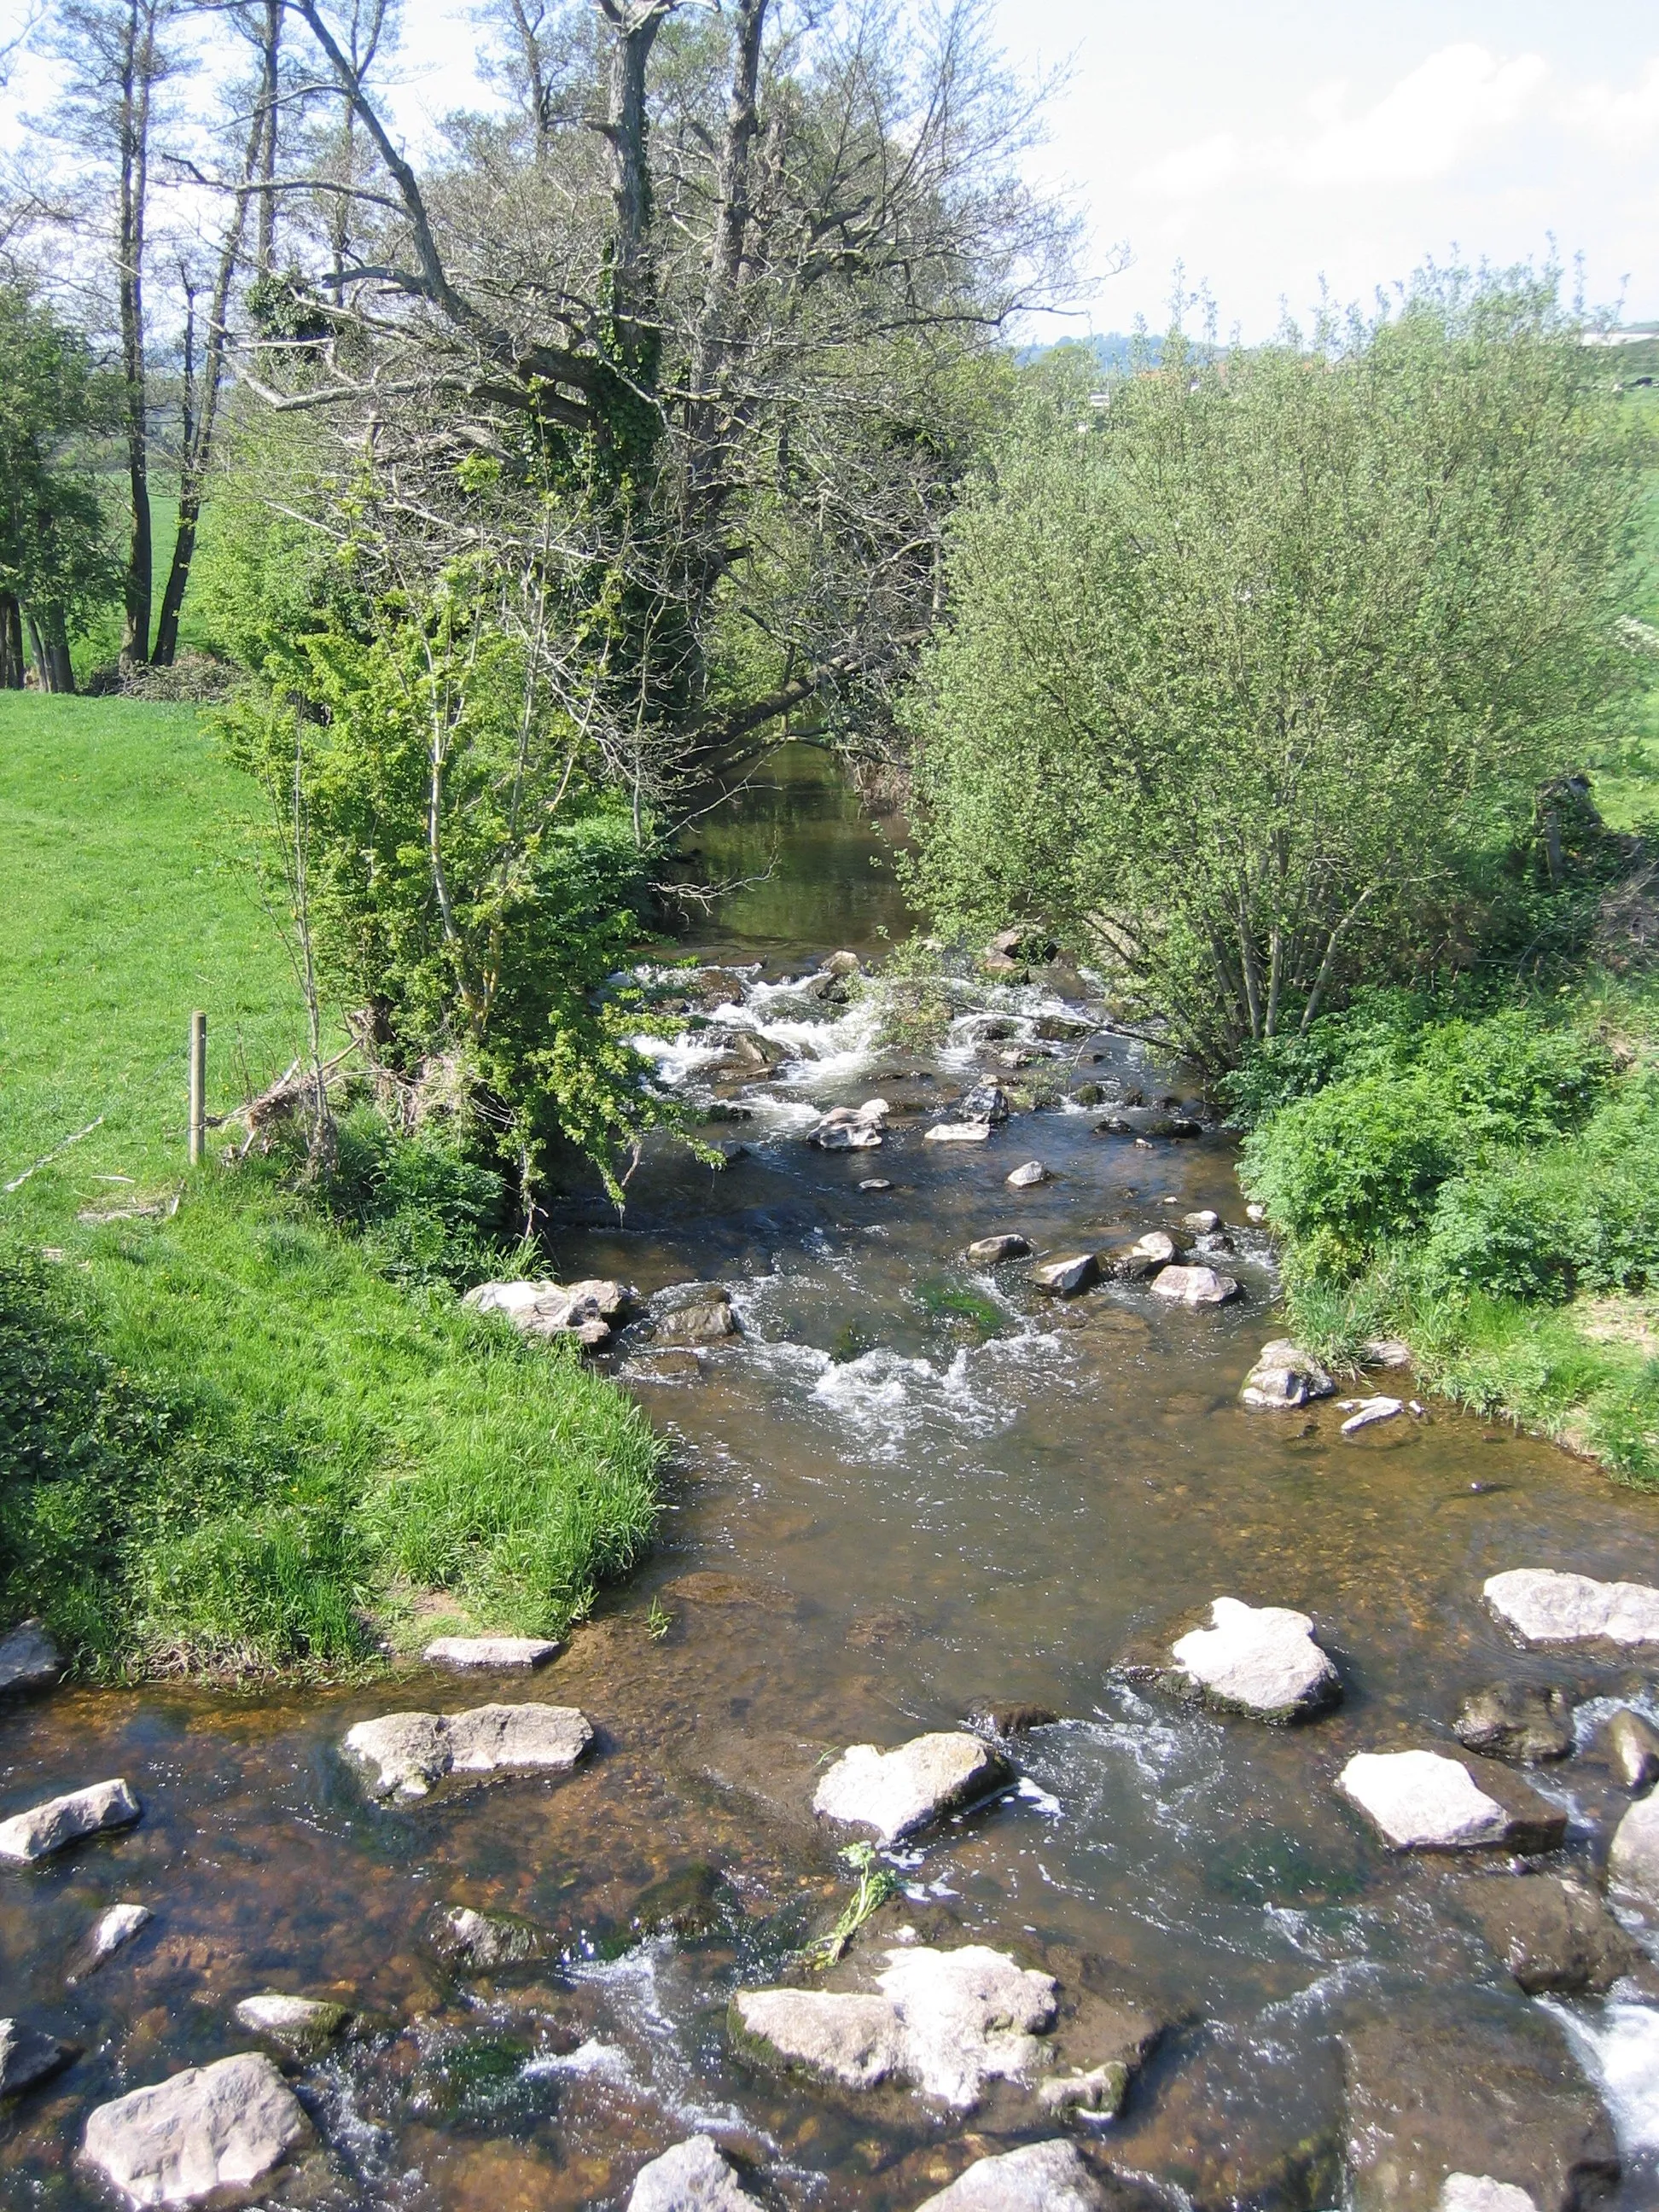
(107, 1935)
(1478, 2193)
(46, 1828)
(894, 1792)
(27, 2057)
(211, 2128)
(1423, 1801)
(1516, 1720)
(992, 1251)
(693, 2177)
(403, 1754)
(1285, 1377)
(1194, 1286)
(29, 1660)
(1066, 1279)
(1543, 1607)
(1633, 1857)
(1027, 1177)
(1204, 1222)
(1048, 2176)
(946, 2022)
(957, 1133)
(463, 1652)
(300, 2027)
(1261, 1660)
(694, 1313)
(1631, 1747)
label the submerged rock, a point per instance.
(1099, 2092)
(875, 1182)
(403, 1754)
(957, 1133)
(212, 2128)
(29, 1660)
(693, 2177)
(1284, 1375)
(992, 1251)
(1522, 1721)
(1001, 1721)
(478, 1943)
(894, 1792)
(107, 1935)
(1194, 1286)
(694, 1313)
(946, 2022)
(1553, 1935)
(1066, 1279)
(1027, 1176)
(27, 2057)
(301, 2028)
(46, 1828)
(464, 1653)
(1631, 1746)
(1424, 1801)
(1049, 2176)
(1261, 1660)
(1545, 1607)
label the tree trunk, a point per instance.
(138, 62)
(731, 234)
(263, 146)
(13, 665)
(632, 302)
(49, 648)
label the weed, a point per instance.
(876, 1884)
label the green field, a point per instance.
(227, 1440)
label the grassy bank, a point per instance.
(227, 1439)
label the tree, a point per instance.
(56, 564)
(1245, 672)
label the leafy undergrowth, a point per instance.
(236, 1431)
(1485, 1185)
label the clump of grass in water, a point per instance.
(877, 1883)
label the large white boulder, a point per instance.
(946, 2022)
(46, 1828)
(212, 2128)
(1066, 1277)
(1047, 2176)
(1258, 1659)
(404, 1754)
(893, 1793)
(1423, 1801)
(693, 2177)
(1545, 1607)
(1194, 1286)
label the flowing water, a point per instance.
(909, 1486)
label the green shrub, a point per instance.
(426, 1213)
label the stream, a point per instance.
(910, 1486)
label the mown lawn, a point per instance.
(226, 1440)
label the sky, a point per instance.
(1264, 145)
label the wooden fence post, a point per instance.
(197, 1087)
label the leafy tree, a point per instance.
(56, 564)
(1247, 671)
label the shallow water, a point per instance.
(910, 1486)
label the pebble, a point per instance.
(875, 1182)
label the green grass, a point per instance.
(227, 1441)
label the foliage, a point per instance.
(55, 552)
(876, 1884)
(1252, 676)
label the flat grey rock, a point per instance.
(1065, 1278)
(945, 2021)
(1632, 1746)
(29, 1660)
(1258, 1659)
(302, 2027)
(1285, 1377)
(107, 1935)
(693, 2177)
(1194, 1286)
(1633, 1857)
(1027, 1176)
(1366, 1412)
(219, 2127)
(894, 1792)
(1048, 2176)
(46, 1828)
(27, 2057)
(1545, 1607)
(1424, 1801)
(1555, 1937)
(1478, 2193)
(992, 1251)
(404, 1754)
(465, 1652)
(957, 1133)
(706, 1318)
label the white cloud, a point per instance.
(1433, 120)
(1626, 121)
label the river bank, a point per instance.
(910, 1489)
